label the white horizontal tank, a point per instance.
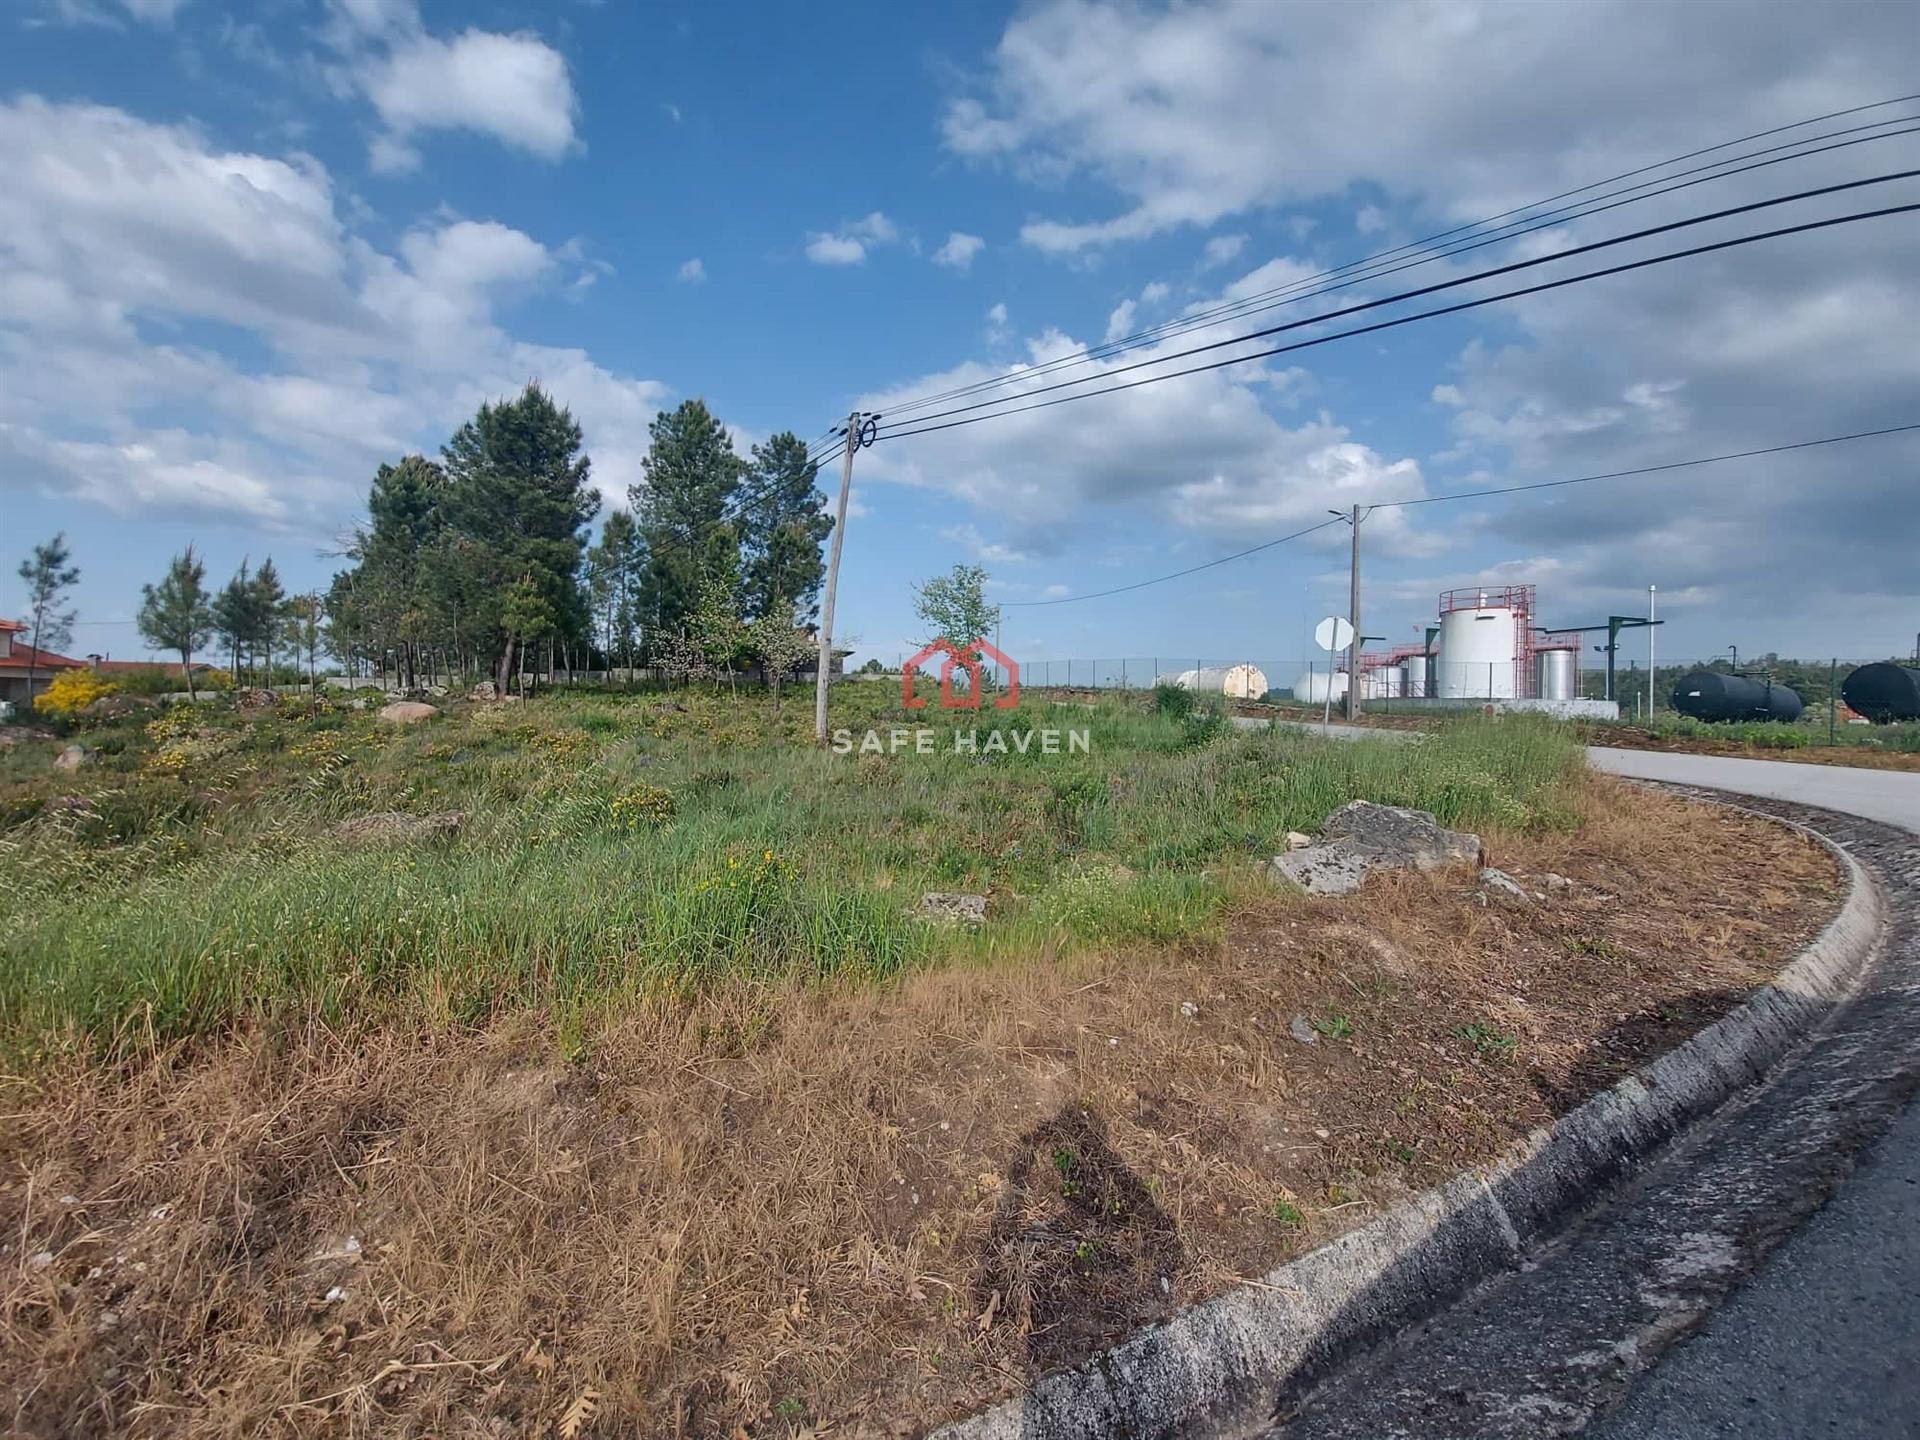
(1236, 682)
(1477, 646)
(1316, 687)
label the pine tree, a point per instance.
(233, 615)
(176, 615)
(266, 610)
(396, 552)
(691, 473)
(782, 528)
(515, 504)
(49, 575)
(613, 580)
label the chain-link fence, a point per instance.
(1422, 680)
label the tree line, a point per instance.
(479, 562)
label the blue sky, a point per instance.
(252, 250)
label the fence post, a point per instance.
(1833, 686)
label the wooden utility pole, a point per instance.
(824, 665)
(1353, 616)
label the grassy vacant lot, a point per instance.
(610, 846)
(643, 1104)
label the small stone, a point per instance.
(1297, 841)
(41, 1261)
(1493, 879)
(1557, 882)
(954, 908)
(1189, 1009)
(73, 757)
(1301, 1029)
(336, 1294)
(484, 690)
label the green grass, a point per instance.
(1808, 732)
(618, 845)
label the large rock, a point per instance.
(407, 712)
(73, 757)
(1361, 837)
(393, 826)
(484, 690)
(252, 697)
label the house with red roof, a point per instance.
(18, 659)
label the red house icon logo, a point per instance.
(969, 661)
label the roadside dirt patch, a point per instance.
(778, 1209)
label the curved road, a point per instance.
(1822, 1336)
(1890, 796)
(1825, 1339)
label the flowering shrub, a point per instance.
(643, 807)
(71, 692)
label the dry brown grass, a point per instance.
(874, 1208)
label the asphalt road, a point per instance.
(1817, 1335)
(1825, 1339)
(1889, 796)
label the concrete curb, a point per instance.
(1216, 1368)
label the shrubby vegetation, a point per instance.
(608, 844)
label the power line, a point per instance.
(1204, 317)
(1524, 290)
(1433, 289)
(1475, 495)
(1248, 306)
(1363, 271)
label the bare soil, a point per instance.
(771, 1210)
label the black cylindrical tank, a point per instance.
(1883, 692)
(1710, 695)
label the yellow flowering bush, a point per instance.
(71, 692)
(644, 807)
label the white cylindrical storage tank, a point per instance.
(1476, 653)
(1557, 673)
(1413, 676)
(1382, 682)
(1316, 687)
(1236, 682)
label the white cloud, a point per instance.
(1221, 249)
(512, 88)
(835, 250)
(1370, 220)
(987, 552)
(1120, 322)
(958, 252)
(849, 244)
(692, 272)
(1199, 454)
(1194, 112)
(114, 230)
(108, 12)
